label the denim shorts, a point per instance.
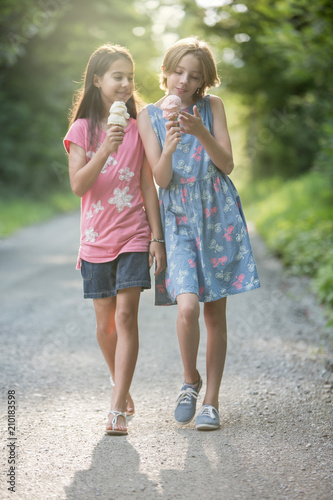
(103, 280)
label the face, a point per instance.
(186, 79)
(117, 84)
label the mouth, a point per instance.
(123, 96)
(181, 91)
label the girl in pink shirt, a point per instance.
(121, 230)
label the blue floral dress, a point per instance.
(207, 243)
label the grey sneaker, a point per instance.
(187, 401)
(208, 418)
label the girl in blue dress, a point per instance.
(208, 249)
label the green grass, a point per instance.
(295, 218)
(17, 213)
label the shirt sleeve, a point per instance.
(77, 134)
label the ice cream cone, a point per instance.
(171, 107)
(118, 116)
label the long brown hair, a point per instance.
(197, 48)
(87, 102)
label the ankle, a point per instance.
(213, 402)
(192, 380)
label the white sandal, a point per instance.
(113, 431)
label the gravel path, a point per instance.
(275, 440)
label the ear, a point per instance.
(96, 80)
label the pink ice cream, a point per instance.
(171, 107)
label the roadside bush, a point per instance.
(295, 218)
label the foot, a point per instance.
(130, 410)
(117, 424)
(187, 401)
(208, 418)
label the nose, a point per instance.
(184, 78)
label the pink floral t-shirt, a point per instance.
(113, 219)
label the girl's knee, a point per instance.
(125, 318)
(189, 310)
(105, 331)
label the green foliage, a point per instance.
(296, 220)
(44, 50)
(278, 59)
(20, 212)
(324, 159)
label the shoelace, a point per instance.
(186, 395)
(207, 411)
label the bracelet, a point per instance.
(157, 241)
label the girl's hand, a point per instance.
(191, 124)
(157, 250)
(172, 137)
(114, 137)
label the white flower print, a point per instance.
(109, 162)
(121, 199)
(91, 235)
(97, 206)
(125, 174)
(89, 214)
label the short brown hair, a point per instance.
(197, 48)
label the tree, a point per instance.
(44, 53)
(277, 56)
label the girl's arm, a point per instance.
(218, 147)
(82, 175)
(160, 160)
(150, 201)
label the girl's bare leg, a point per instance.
(106, 334)
(127, 347)
(117, 334)
(188, 334)
(216, 325)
